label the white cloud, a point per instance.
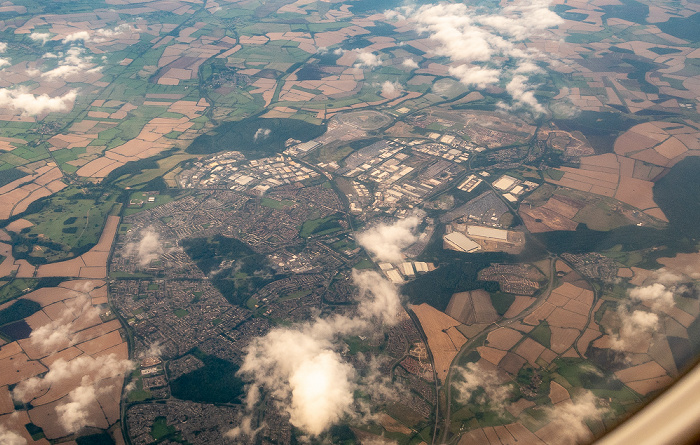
(571, 417)
(386, 241)
(244, 430)
(4, 61)
(93, 370)
(522, 93)
(147, 249)
(656, 295)
(59, 333)
(391, 88)
(73, 64)
(472, 378)
(409, 63)
(261, 133)
(77, 36)
(42, 37)
(74, 414)
(480, 43)
(304, 373)
(8, 437)
(154, 350)
(31, 105)
(475, 75)
(367, 59)
(103, 35)
(669, 277)
(385, 302)
(3, 47)
(301, 368)
(635, 327)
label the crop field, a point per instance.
(29, 357)
(521, 303)
(503, 338)
(66, 223)
(444, 340)
(91, 264)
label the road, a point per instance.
(469, 345)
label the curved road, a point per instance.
(470, 344)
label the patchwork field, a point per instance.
(472, 307)
(74, 341)
(612, 176)
(92, 264)
(444, 340)
(556, 214)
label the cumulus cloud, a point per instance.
(92, 369)
(367, 59)
(154, 350)
(379, 298)
(635, 327)
(409, 63)
(480, 44)
(73, 64)
(4, 61)
(76, 37)
(75, 412)
(669, 277)
(656, 295)
(303, 371)
(42, 37)
(147, 249)
(475, 75)
(522, 93)
(386, 241)
(8, 437)
(245, 429)
(103, 35)
(571, 417)
(391, 88)
(30, 104)
(473, 378)
(59, 333)
(301, 366)
(261, 133)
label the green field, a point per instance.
(501, 301)
(320, 226)
(16, 287)
(138, 394)
(65, 225)
(161, 430)
(542, 334)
